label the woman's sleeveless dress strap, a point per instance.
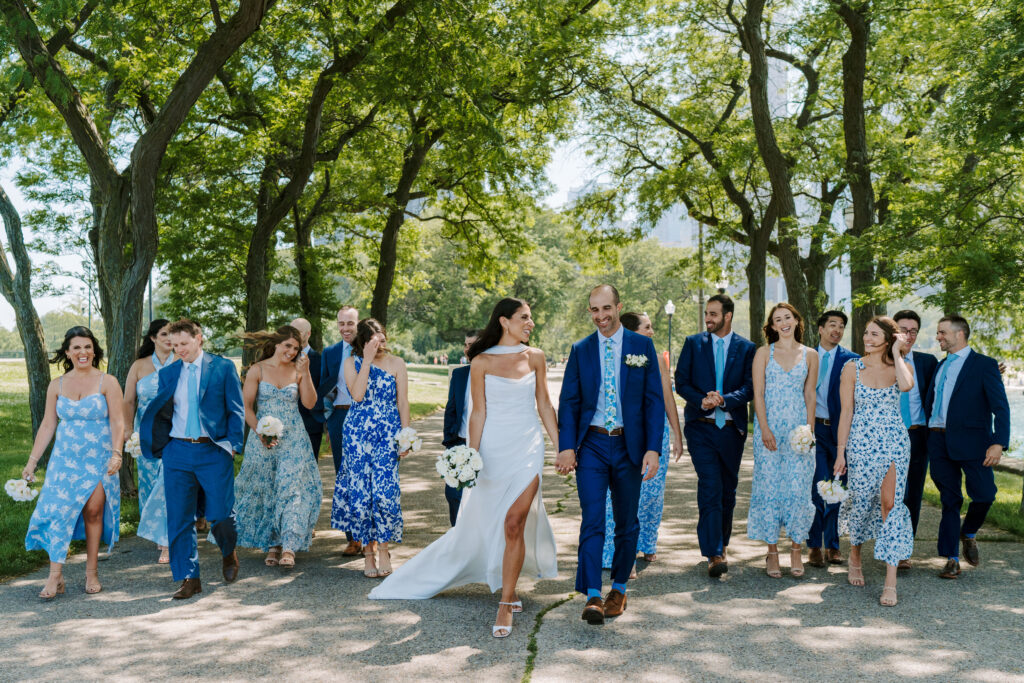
(771, 351)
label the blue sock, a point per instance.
(621, 587)
(593, 593)
(969, 535)
(955, 557)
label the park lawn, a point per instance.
(428, 390)
(1004, 512)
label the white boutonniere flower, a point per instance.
(637, 360)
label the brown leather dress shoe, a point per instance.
(834, 556)
(593, 613)
(230, 567)
(188, 588)
(904, 565)
(951, 570)
(815, 558)
(614, 603)
(717, 566)
(353, 549)
(970, 551)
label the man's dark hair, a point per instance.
(471, 333)
(908, 314)
(823, 318)
(727, 304)
(959, 323)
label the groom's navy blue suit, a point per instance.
(454, 412)
(715, 452)
(205, 466)
(610, 461)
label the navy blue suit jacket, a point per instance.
(978, 397)
(330, 366)
(640, 393)
(695, 377)
(314, 422)
(833, 400)
(221, 410)
(924, 375)
(455, 409)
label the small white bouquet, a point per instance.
(459, 466)
(269, 429)
(832, 491)
(408, 439)
(20, 491)
(801, 440)
(133, 446)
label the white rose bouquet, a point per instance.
(832, 491)
(20, 491)
(408, 439)
(801, 440)
(459, 466)
(132, 446)
(269, 429)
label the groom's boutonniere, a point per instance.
(637, 360)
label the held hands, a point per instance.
(649, 468)
(840, 466)
(768, 439)
(565, 461)
(993, 455)
(712, 400)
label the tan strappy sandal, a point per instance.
(773, 573)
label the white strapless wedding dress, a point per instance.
(512, 448)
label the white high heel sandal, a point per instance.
(495, 629)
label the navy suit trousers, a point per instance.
(981, 487)
(716, 455)
(825, 529)
(917, 473)
(335, 431)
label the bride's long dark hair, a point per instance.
(491, 335)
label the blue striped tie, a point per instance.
(192, 429)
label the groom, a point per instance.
(611, 414)
(195, 424)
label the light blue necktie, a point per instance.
(719, 378)
(905, 403)
(192, 430)
(610, 411)
(823, 369)
(940, 386)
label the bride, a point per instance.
(502, 529)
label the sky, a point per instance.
(569, 169)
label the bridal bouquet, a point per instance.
(801, 440)
(459, 466)
(408, 439)
(269, 429)
(20, 491)
(132, 446)
(832, 491)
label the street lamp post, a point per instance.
(670, 308)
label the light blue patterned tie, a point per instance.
(610, 411)
(192, 430)
(823, 369)
(719, 378)
(940, 386)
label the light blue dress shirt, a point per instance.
(952, 372)
(180, 417)
(821, 403)
(914, 395)
(726, 340)
(343, 398)
(616, 341)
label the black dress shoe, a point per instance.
(593, 613)
(188, 588)
(951, 570)
(231, 567)
(970, 547)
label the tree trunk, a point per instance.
(858, 165)
(259, 258)
(308, 280)
(415, 156)
(17, 289)
(775, 162)
(757, 270)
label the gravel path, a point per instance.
(315, 623)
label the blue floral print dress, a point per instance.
(780, 495)
(878, 439)
(367, 498)
(78, 464)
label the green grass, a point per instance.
(1004, 512)
(16, 428)
(428, 390)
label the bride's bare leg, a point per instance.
(515, 549)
